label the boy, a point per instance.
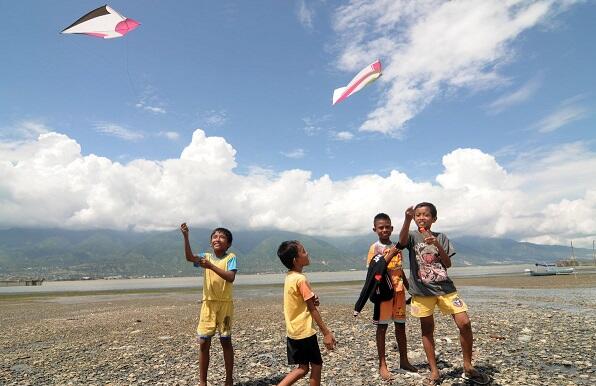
(430, 255)
(217, 309)
(392, 310)
(300, 309)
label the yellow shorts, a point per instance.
(449, 304)
(215, 316)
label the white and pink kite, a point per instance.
(102, 22)
(368, 75)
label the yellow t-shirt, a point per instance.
(214, 286)
(298, 318)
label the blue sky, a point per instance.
(481, 104)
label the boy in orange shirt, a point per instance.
(392, 310)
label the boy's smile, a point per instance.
(219, 243)
(383, 229)
(424, 218)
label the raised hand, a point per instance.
(184, 229)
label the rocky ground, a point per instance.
(522, 337)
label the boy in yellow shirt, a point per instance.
(300, 309)
(217, 309)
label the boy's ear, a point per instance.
(435, 219)
(375, 229)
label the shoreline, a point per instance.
(503, 281)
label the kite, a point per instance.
(369, 74)
(102, 22)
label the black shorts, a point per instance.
(304, 351)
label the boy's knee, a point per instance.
(427, 325)
(303, 369)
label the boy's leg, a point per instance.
(295, 375)
(465, 338)
(228, 354)
(205, 345)
(315, 374)
(402, 345)
(380, 338)
(427, 325)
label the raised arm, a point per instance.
(187, 250)
(405, 228)
(328, 338)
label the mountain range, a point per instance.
(68, 254)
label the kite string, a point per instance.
(130, 83)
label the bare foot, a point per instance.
(408, 367)
(385, 374)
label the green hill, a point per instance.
(65, 254)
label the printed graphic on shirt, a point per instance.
(430, 268)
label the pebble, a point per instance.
(102, 343)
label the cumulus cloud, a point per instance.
(431, 47)
(118, 131)
(48, 182)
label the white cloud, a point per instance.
(215, 117)
(548, 196)
(171, 135)
(343, 136)
(305, 15)
(296, 153)
(118, 131)
(149, 101)
(314, 125)
(569, 111)
(431, 47)
(23, 130)
(516, 97)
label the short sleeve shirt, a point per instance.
(378, 248)
(298, 318)
(428, 273)
(214, 286)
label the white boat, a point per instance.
(549, 270)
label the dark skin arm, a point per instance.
(389, 254)
(328, 338)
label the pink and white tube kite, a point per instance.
(102, 22)
(369, 74)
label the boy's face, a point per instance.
(383, 229)
(423, 217)
(219, 242)
(303, 258)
